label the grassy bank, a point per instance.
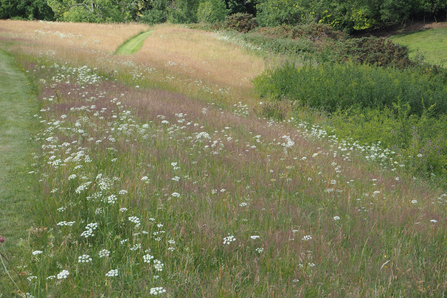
(189, 193)
(18, 103)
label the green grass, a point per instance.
(134, 44)
(17, 103)
(432, 43)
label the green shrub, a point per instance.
(312, 31)
(241, 22)
(420, 141)
(340, 87)
(280, 45)
(372, 51)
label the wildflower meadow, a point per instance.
(152, 182)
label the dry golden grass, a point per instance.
(199, 55)
(99, 37)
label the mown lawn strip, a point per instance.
(17, 103)
(134, 44)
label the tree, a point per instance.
(241, 6)
(212, 11)
(26, 9)
(156, 12)
(277, 12)
(183, 11)
(96, 10)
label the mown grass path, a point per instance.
(17, 103)
(134, 44)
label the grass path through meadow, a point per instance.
(134, 44)
(17, 102)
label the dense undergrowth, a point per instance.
(371, 91)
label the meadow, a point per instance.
(156, 174)
(429, 41)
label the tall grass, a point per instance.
(150, 192)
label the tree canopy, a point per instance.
(345, 15)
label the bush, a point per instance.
(241, 22)
(340, 87)
(280, 45)
(372, 51)
(308, 31)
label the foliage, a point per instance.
(340, 87)
(96, 11)
(241, 22)
(156, 13)
(323, 44)
(183, 11)
(404, 110)
(421, 140)
(277, 12)
(26, 9)
(212, 11)
(311, 31)
(241, 6)
(281, 45)
(372, 51)
(346, 15)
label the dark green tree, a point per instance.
(183, 11)
(156, 12)
(26, 9)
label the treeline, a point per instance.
(347, 15)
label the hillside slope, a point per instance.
(159, 178)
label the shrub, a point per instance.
(280, 45)
(241, 22)
(312, 31)
(340, 87)
(372, 51)
(421, 141)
